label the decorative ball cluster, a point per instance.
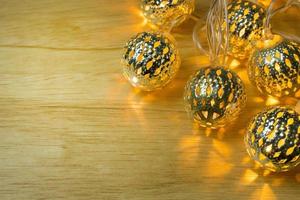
(245, 24)
(150, 60)
(166, 13)
(214, 96)
(273, 139)
(274, 67)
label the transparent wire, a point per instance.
(284, 7)
(196, 37)
(289, 36)
(271, 11)
(216, 31)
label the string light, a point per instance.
(167, 13)
(215, 95)
(151, 60)
(273, 139)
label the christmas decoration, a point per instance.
(167, 13)
(274, 66)
(273, 139)
(245, 20)
(214, 96)
(151, 60)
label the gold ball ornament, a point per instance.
(214, 96)
(150, 60)
(245, 25)
(167, 13)
(274, 67)
(273, 139)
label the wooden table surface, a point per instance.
(72, 128)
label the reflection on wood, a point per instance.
(72, 128)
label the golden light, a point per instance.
(234, 64)
(199, 60)
(139, 15)
(189, 142)
(144, 20)
(270, 42)
(246, 160)
(267, 193)
(217, 166)
(208, 131)
(297, 94)
(272, 101)
(141, 23)
(244, 76)
(257, 165)
(266, 172)
(269, 149)
(297, 107)
(249, 177)
(265, 3)
(134, 80)
(222, 148)
(189, 150)
(258, 100)
(221, 132)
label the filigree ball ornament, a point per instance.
(274, 67)
(245, 25)
(273, 139)
(167, 13)
(214, 96)
(151, 60)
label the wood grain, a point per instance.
(72, 128)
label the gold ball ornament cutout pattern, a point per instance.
(214, 96)
(167, 13)
(273, 139)
(245, 25)
(150, 60)
(274, 67)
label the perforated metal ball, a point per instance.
(151, 60)
(166, 13)
(274, 67)
(245, 23)
(214, 96)
(273, 139)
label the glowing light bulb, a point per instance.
(273, 139)
(151, 60)
(166, 13)
(245, 23)
(274, 66)
(214, 96)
